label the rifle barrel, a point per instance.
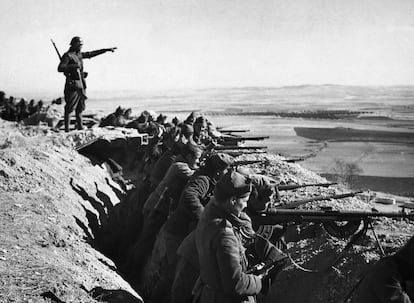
(56, 49)
(232, 130)
(226, 147)
(295, 186)
(297, 203)
(236, 153)
(257, 138)
(276, 216)
(293, 160)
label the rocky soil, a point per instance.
(46, 243)
(48, 251)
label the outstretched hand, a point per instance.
(112, 49)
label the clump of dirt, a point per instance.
(53, 205)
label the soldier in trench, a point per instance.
(391, 279)
(223, 263)
(183, 220)
(187, 269)
(159, 204)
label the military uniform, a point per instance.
(71, 64)
(179, 224)
(191, 205)
(183, 220)
(186, 272)
(173, 181)
(383, 283)
(156, 209)
(2, 98)
(161, 167)
(387, 280)
(263, 187)
(188, 268)
(223, 264)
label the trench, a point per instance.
(114, 229)
(117, 231)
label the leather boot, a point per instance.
(66, 118)
(79, 124)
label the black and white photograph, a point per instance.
(207, 151)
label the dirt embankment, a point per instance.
(46, 239)
(55, 203)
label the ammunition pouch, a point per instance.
(75, 84)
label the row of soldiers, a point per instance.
(197, 129)
(187, 231)
(12, 109)
(190, 200)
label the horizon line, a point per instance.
(149, 90)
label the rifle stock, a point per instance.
(232, 130)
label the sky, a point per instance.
(211, 43)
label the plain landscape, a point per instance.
(371, 126)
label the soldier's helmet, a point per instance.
(186, 129)
(219, 161)
(233, 184)
(76, 40)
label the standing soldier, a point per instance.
(2, 98)
(72, 66)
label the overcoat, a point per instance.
(223, 263)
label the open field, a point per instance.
(343, 134)
(385, 111)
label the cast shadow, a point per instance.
(104, 227)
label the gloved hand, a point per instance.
(266, 283)
(270, 275)
(266, 251)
